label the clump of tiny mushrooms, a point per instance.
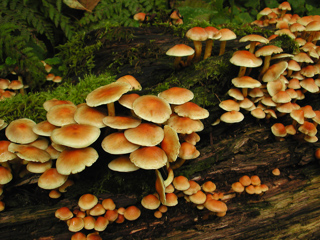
(152, 132)
(282, 80)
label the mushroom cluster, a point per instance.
(199, 35)
(151, 132)
(251, 185)
(276, 89)
(51, 76)
(9, 89)
(155, 132)
(93, 214)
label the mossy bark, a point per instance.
(288, 210)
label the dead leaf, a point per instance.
(89, 4)
(75, 4)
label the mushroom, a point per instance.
(245, 59)
(213, 34)
(90, 115)
(226, 35)
(75, 135)
(152, 108)
(140, 17)
(254, 39)
(197, 35)
(132, 213)
(284, 7)
(61, 114)
(177, 95)
(267, 51)
(149, 157)
(146, 134)
(150, 202)
(107, 94)
(72, 161)
(117, 143)
(75, 224)
(20, 131)
(51, 179)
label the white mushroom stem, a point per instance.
(208, 49)
(222, 47)
(198, 50)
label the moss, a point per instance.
(188, 170)
(30, 105)
(206, 79)
(288, 44)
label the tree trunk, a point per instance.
(290, 209)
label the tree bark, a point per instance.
(290, 209)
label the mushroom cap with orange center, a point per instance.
(117, 143)
(61, 114)
(177, 95)
(152, 108)
(146, 134)
(132, 213)
(20, 131)
(149, 157)
(87, 201)
(5, 154)
(308, 128)
(191, 110)
(71, 161)
(279, 130)
(90, 115)
(107, 94)
(245, 59)
(232, 117)
(75, 135)
(184, 125)
(150, 202)
(197, 34)
(274, 71)
(5, 175)
(51, 179)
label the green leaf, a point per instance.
(9, 61)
